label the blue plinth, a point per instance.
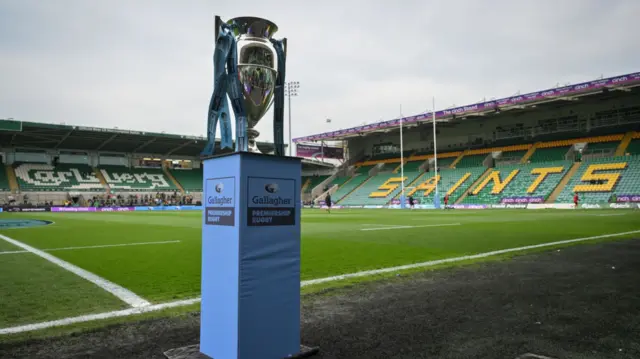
(403, 201)
(436, 202)
(251, 257)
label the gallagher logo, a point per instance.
(219, 187)
(271, 188)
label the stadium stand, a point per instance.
(348, 186)
(471, 161)
(531, 180)
(455, 182)
(35, 177)
(600, 178)
(189, 179)
(312, 181)
(549, 154)
(136, 179)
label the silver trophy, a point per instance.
(249, 67)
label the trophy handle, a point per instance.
(278, 108)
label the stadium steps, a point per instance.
(455, 162)
(13, 181)
(529, 153)
(474, 184)
(624, 143)
(563, 182)
(102, 180)
(173, 179)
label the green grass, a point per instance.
(33, 289)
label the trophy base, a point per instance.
(252, 146)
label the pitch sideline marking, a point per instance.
(405, 227)
(92, 247)
(182, 303)
(122, 293)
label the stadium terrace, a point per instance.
(537, 149)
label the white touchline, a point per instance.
(182, 303)
(92, 247)
(99, 316)
(403, 227)
(124, 294)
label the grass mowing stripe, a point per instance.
(182, 303)
(124, 294)
(404, 227)
(458, 259)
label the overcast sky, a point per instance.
(146, 65)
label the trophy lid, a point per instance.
(253, 26)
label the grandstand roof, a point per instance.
(33, 135)
(516, 102)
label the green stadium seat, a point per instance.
(348, 186)
(445, 162)
(314, 182)
(627, 183)
(634, 147)
(362, 196)
(471, 161)
(136, 179)
(189, 179)
(549, 154)
(4, 181)
(35, 177)
(520, 184)
(448, 180)
(602, 147)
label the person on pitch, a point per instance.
(575, 200)
(411, 203)
(327, 201)
(446, 200)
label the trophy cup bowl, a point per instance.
(257, 69)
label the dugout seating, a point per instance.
(136, 179)
(619, 175)
(38, 177)
(189, 179)
(518, 180)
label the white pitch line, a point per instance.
(99, 316)
(404, 227)
(108, 246)
(124, 294)
(182, 303)
(92, 247)
(14, 252)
